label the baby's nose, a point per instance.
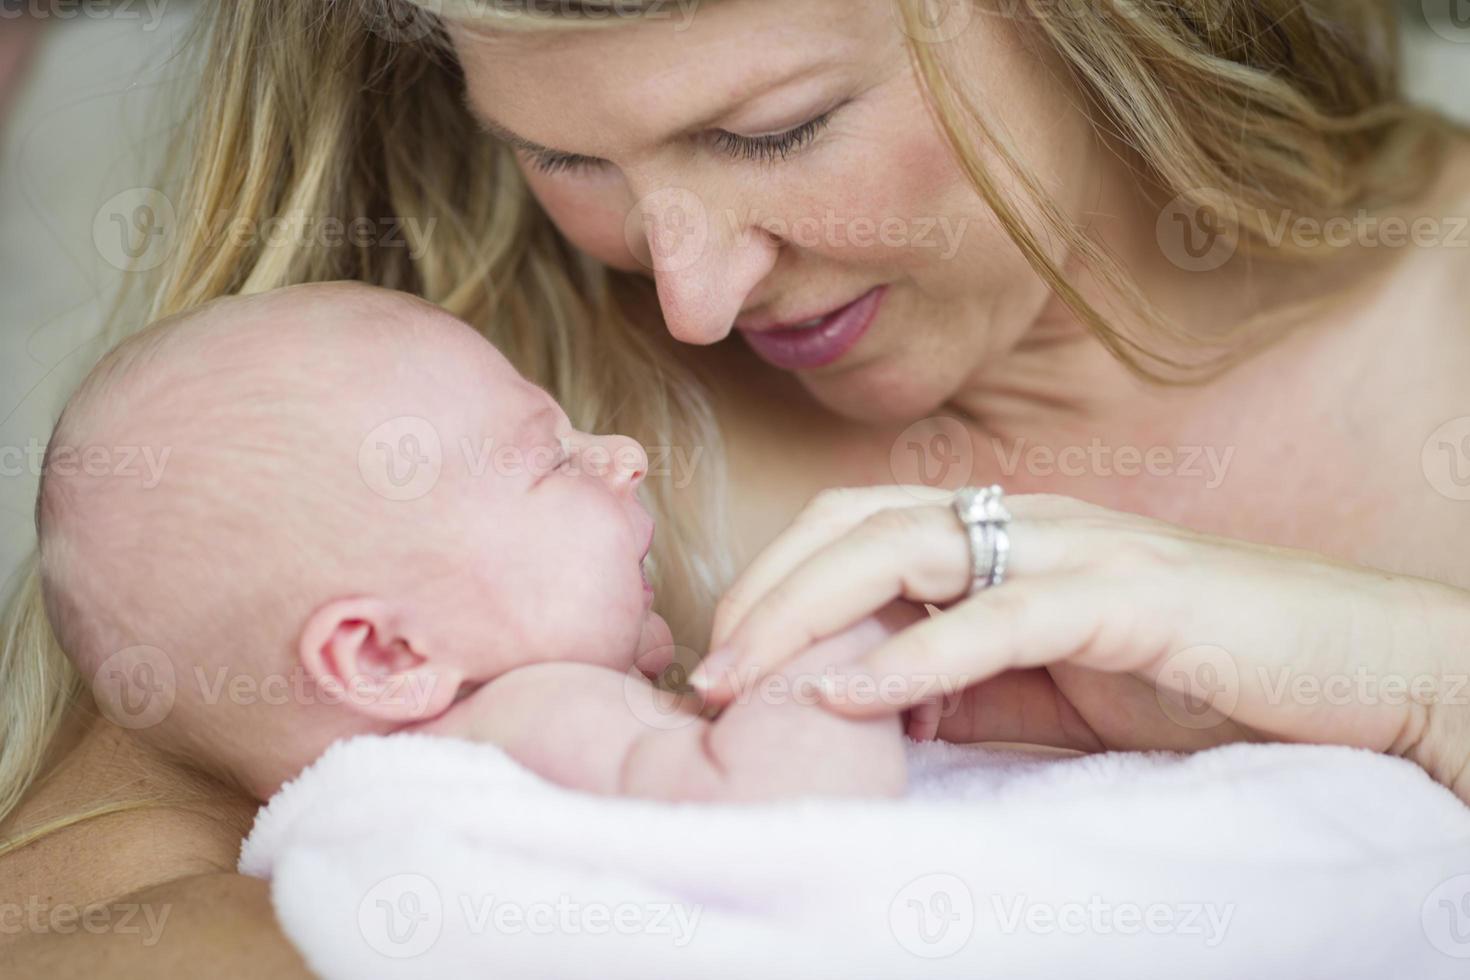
(628, 462)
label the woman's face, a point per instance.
(773, 167)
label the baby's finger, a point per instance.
(923, 720)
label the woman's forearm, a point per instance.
(220, 925)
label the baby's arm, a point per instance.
(598, 730)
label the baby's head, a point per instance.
(329, 509)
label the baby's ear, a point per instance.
(360, 655)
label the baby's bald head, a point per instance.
(234, 495)
(201, 484)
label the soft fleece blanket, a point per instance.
(412, 856)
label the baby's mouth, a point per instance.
(643, 566)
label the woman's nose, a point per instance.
(623, 463)
(706, 261)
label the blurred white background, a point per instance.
(84, 126)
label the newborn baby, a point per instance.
(361, 500)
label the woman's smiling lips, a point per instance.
(816, 341)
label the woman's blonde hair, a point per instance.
(354, 109)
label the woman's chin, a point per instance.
(877, 393)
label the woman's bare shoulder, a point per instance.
(148, 892)
(109, 819)
(219, 924)
(102, 858)
(101, 881)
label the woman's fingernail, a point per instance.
(715, 663)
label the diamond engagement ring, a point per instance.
(983, 513)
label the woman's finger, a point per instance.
(835, 513)
(1026, 623)
(918, 554)
(826, 518)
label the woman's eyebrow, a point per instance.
(494, 128)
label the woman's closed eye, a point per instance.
(775, 145)
(763, 149)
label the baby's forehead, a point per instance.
(365, 328)
(426, 352)
(361, 367)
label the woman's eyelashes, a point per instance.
(552, 163)
(764, 149)
(776, 145)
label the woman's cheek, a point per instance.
(591, 212)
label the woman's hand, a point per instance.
(1110, 631)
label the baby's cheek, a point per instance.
(596, 621)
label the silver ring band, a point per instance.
(982, 513)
